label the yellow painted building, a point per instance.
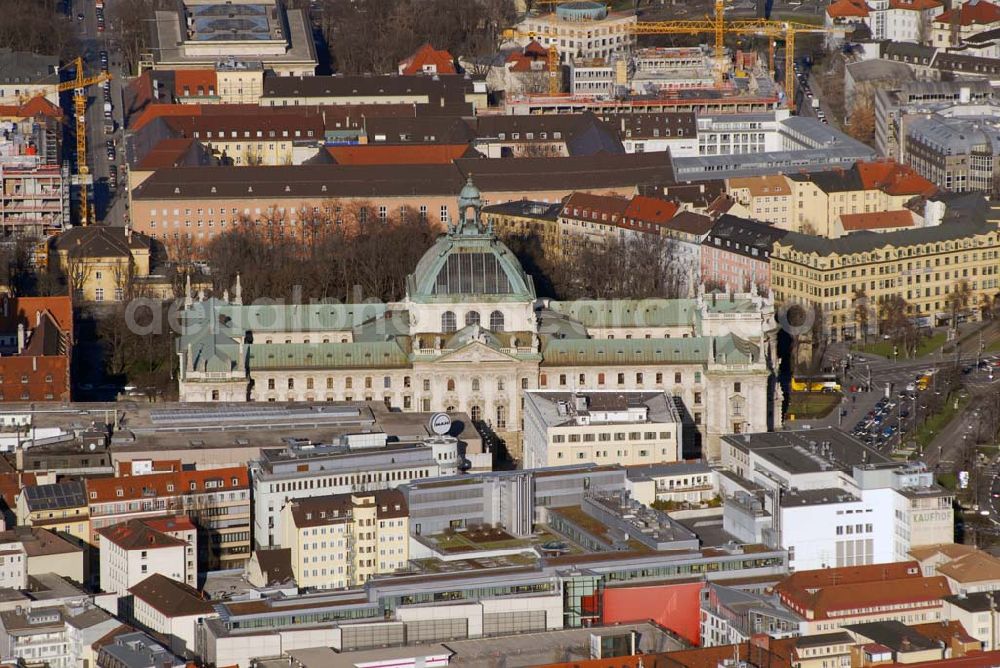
(921, 265)
(343, 540)
(99, 263)
(766, 198)
(526, 218)
(58, 507)
(819, 199)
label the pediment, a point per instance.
(476, 353)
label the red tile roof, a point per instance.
(971, 660)
(135, 535)
(847, 8)
(894, 178)
(828, 592)
(651, 209)
(442, 62)
(915, 5)
(368, 154)
(155, 111)
(170, 525)
(876, 220)
(167, 153)
(14, 310)
(197, 82)
(584, 206)
(36, 106)
(103, 490)
(972, 13)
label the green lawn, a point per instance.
(935, 423)
(812, 405)
(993, 346)
(884, 348)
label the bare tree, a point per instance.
(861, 123)
(958, 300)
(861, 312)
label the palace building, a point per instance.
(472, 335)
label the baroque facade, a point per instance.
(472, 335)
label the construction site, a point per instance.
(596, 60)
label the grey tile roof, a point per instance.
(861, 242)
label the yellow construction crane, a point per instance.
(555, 78)
(79, 85)
(718, 26)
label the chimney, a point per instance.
(20, 337)
(38, 318)
(34, 363)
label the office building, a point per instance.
(832, 501)
(600, 427)
(515, 501)
(920, 265)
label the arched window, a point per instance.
(448, 322)
(496, 321)
(501, 417)
(472, 318)
(451, 385)
(475, 384)
(476, 413)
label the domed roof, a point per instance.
(470, 195)
(469, 265)
(578, 10)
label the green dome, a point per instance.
(470, 195)
(467, 265)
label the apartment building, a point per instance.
(526, 218)
(216, 500)
(343, 540)
(600, 427)
(36, 341)
(132, 551)
(766, 198)
(171, 609)
(356, 463)
(60, 507)
(736, 255)
(953, 27)
(25, 75)
(59, 636)
(819, 198)
(34, 182)
(921, 265)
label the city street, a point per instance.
(108, 207)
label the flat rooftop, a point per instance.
(149, 430)
(809, 451)
(532, 649)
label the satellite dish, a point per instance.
(440, 423)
